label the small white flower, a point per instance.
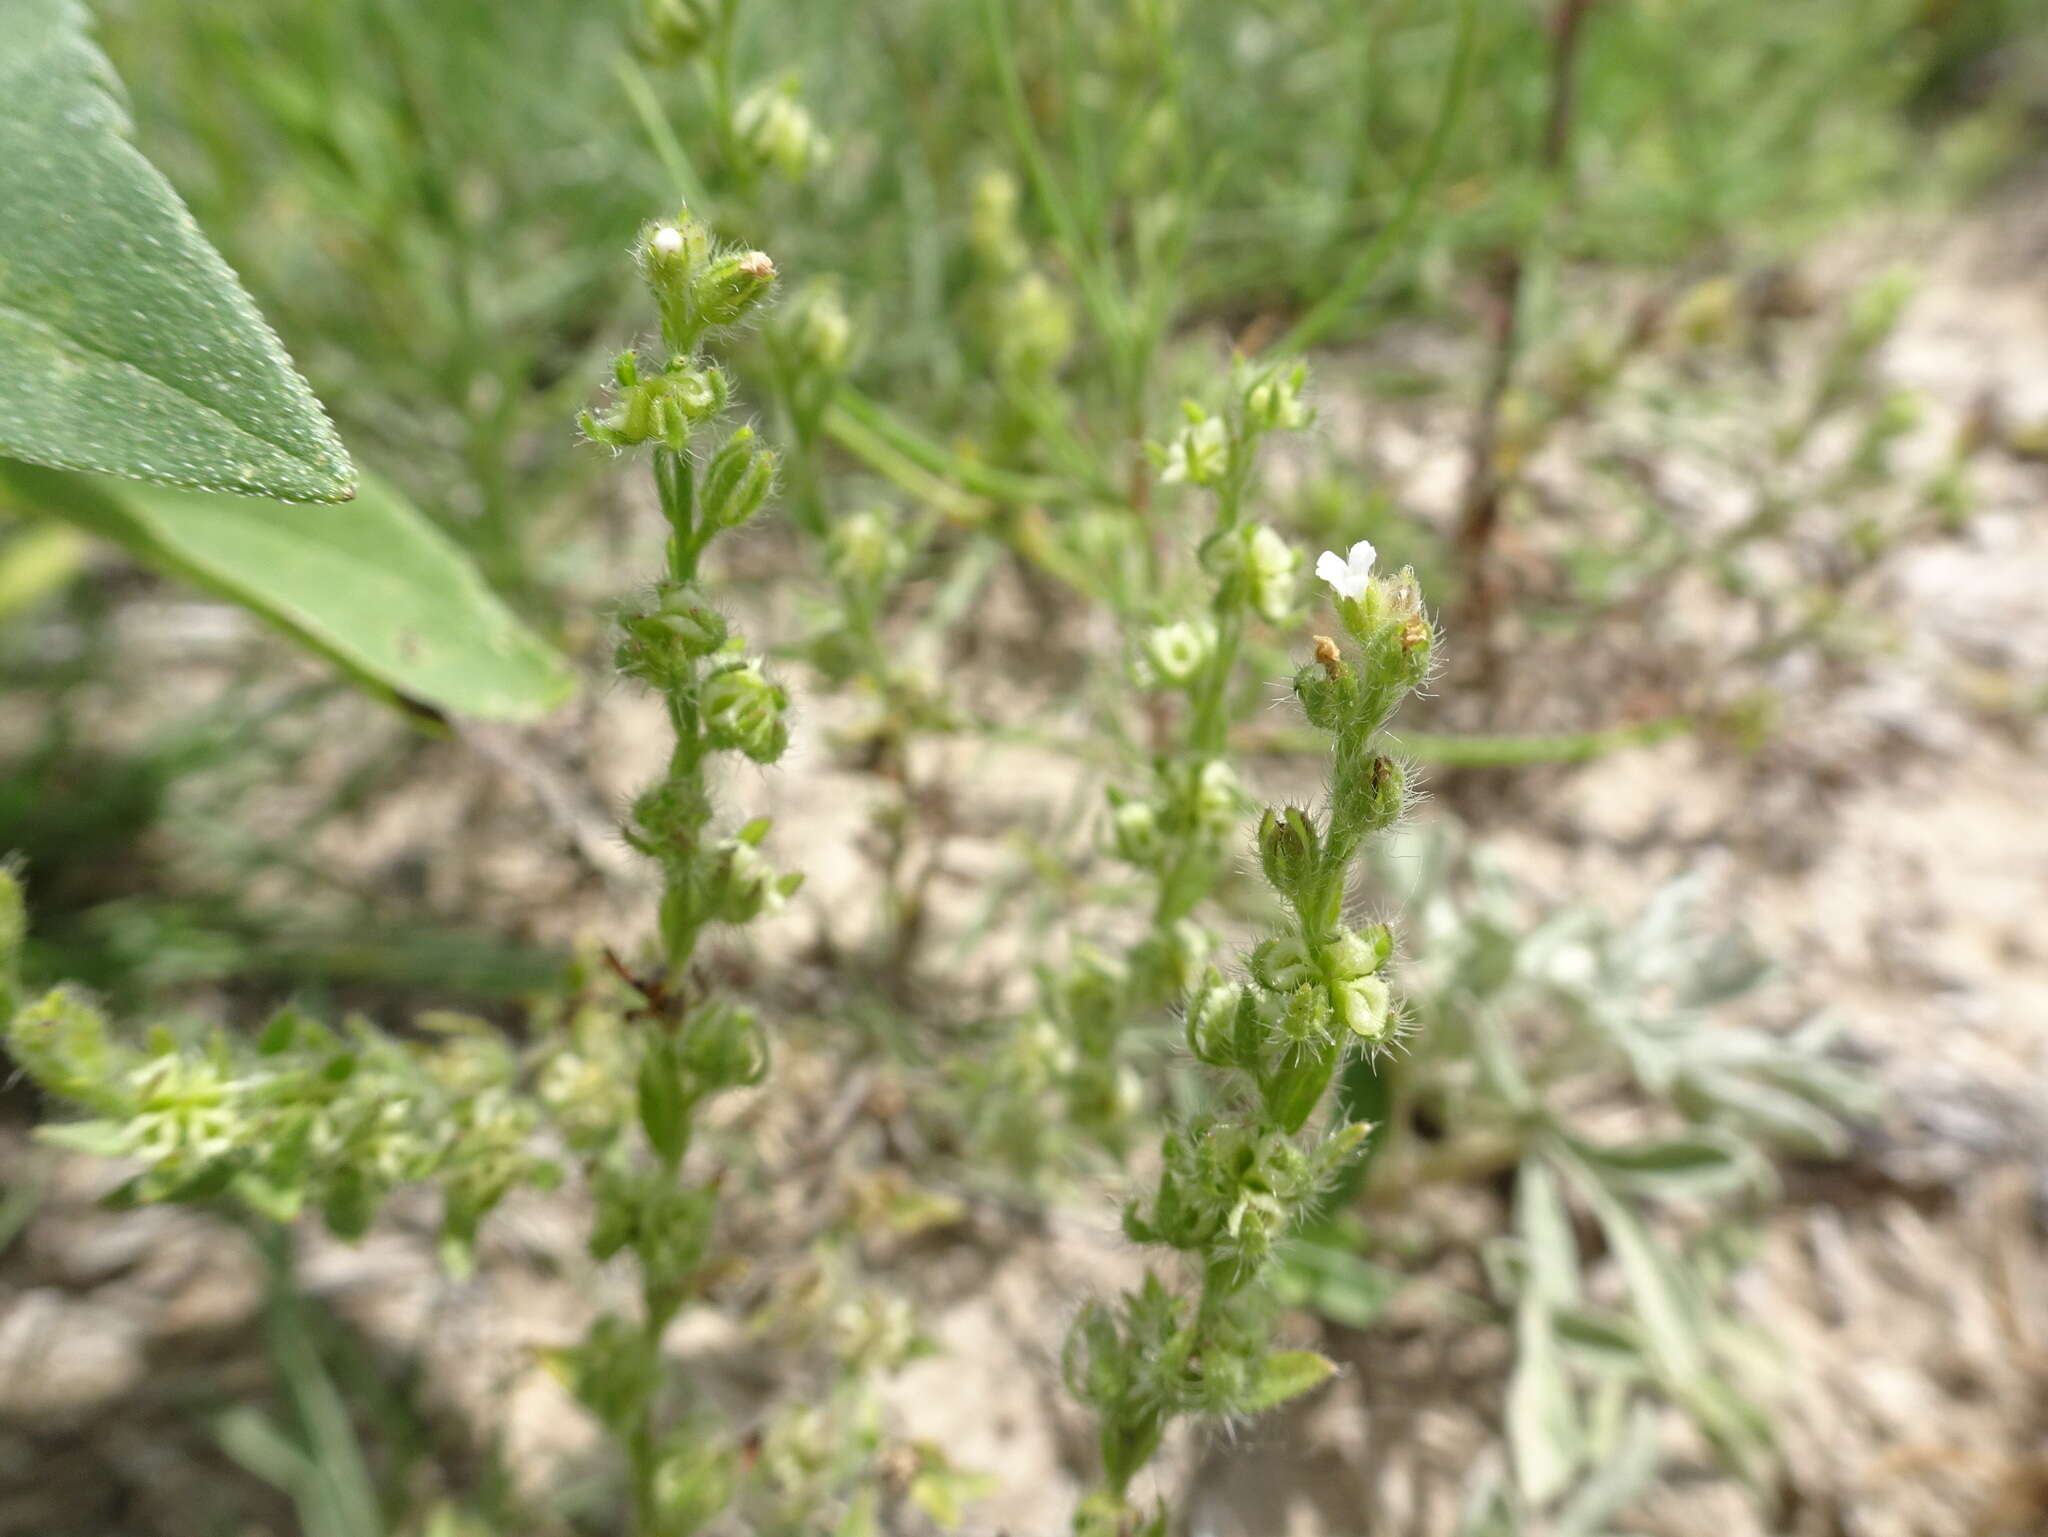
(1348, 574)
(667, 240)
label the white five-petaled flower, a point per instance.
(1348, 573)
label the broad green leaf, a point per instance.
(377, 589)
(1288, 1374)
(126, 343)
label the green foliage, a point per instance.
(375, 588)
(126, 344)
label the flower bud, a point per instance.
(737, 481)
(992, 223)
(745, 886)
(1175, 655)
(864, 551)
(1199, 454)
(726, 288)
(677, 29)
(777, 132)
(1214, 797)
(723, 1047)
(1270, 563)
(1134, 830)
(817, 330)
(743, 712)
(1034, 326)
(1272, 399)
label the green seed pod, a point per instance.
(1290, 849)
(1176, 654)
(1281, 965)
(737, 481)
(743, 712)
(1364, 1006)
(723, 1047)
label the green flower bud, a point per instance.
(1270, 564)
(662, 640)
(816, 329)
(1213, 797)
(737, 481)
(1364, 1006)
(695, 1479)
(726, 288)
(864, 550)
(1134, 830)
(1174, 655)
(670, 252)
(1272, 398)
(723, 1047)
(745, 886)
(1199, 454)
(1172, 961)
(1034, 327)
(776, 131)
(677, 29)
(992, 222)
(743, 712)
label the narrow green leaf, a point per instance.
(1329, 1279)
(1288, 1374)
(1697, 1162)
(1544, 1434)
(379, 590)
(1626, 1473)
(1671, 1325)
(102, 1139)
(1599, 1338)
(126, 343)
(662, 1108)
(1545, 1228)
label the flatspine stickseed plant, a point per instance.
(337, 1120)
(1237, 1178)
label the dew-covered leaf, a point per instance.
(126, 343)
